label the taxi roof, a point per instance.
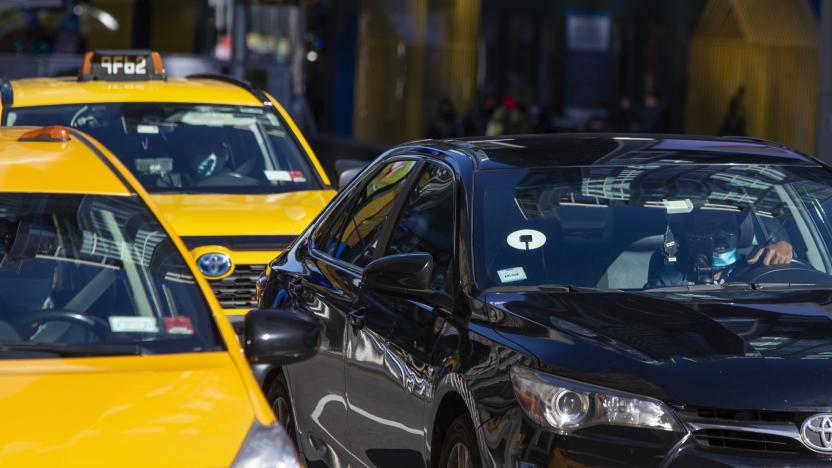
(30, 92)
(56, 167)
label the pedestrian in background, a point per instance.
(447, 123)
(654, 119)
(511, 118)
(476, 120)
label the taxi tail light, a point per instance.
(54, 134)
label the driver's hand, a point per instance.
(779, 253)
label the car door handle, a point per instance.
(356, 318)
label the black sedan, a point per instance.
(571, 300)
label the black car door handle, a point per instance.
(356, 318)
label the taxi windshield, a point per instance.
(189, 148)
(85, 275)
(655, 227)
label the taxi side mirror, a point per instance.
(280, 336)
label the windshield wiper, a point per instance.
(73, 350)
(565, 288)
(733, 285)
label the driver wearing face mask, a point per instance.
(205, 160)
(708, 253)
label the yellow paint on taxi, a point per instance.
(52, 167)
(176, 410)
(235, 215)
(68, 90)
(190, 409)
(211, 215)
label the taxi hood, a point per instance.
(728, 349)
(162, 410)
(236, 215)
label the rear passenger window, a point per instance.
(426, 223)
(355, 236)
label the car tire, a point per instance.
(459, 449)
(281, 403)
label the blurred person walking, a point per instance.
(654, 115)
(734, 122)
(476, 120)
(447, 123)
(510, 118)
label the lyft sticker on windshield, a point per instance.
(510, 275)
(131, 324)
(526, 239)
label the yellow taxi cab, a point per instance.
(113, 351)
(221, 159)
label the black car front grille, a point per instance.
(747, 430)
(742, 440)
(237, 291)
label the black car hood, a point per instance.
(764, 350)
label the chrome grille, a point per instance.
(237, 290)
(759, 431)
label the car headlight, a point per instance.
(267, 446)
(565, 405)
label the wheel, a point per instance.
(459, 449)
(281, 403)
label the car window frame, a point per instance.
(384, 241)
(345, 205)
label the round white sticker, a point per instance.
(526, 239)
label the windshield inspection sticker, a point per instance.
(131, 324)
(277, 176)
(179, 325)
(509, 275)
(526, 239)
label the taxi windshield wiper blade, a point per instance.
(73, 350)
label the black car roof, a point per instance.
(561, 150)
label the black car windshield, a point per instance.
(189, 148)
(95, 275)
(653, 227)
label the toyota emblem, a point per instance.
(816, 433)
(214, 264)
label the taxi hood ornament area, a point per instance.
(816, 433)
(214, 264)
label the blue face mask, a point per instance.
(208, 165)
(724, 260)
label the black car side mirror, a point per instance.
(407, 275)
(347, 170)
(280, 336)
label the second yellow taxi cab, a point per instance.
(222, 160)
(113, 351)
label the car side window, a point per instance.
(426, 223)
(354, 237)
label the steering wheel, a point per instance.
(228, 179)
(93, 324)
(795, 272)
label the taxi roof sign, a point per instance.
(122, 65)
